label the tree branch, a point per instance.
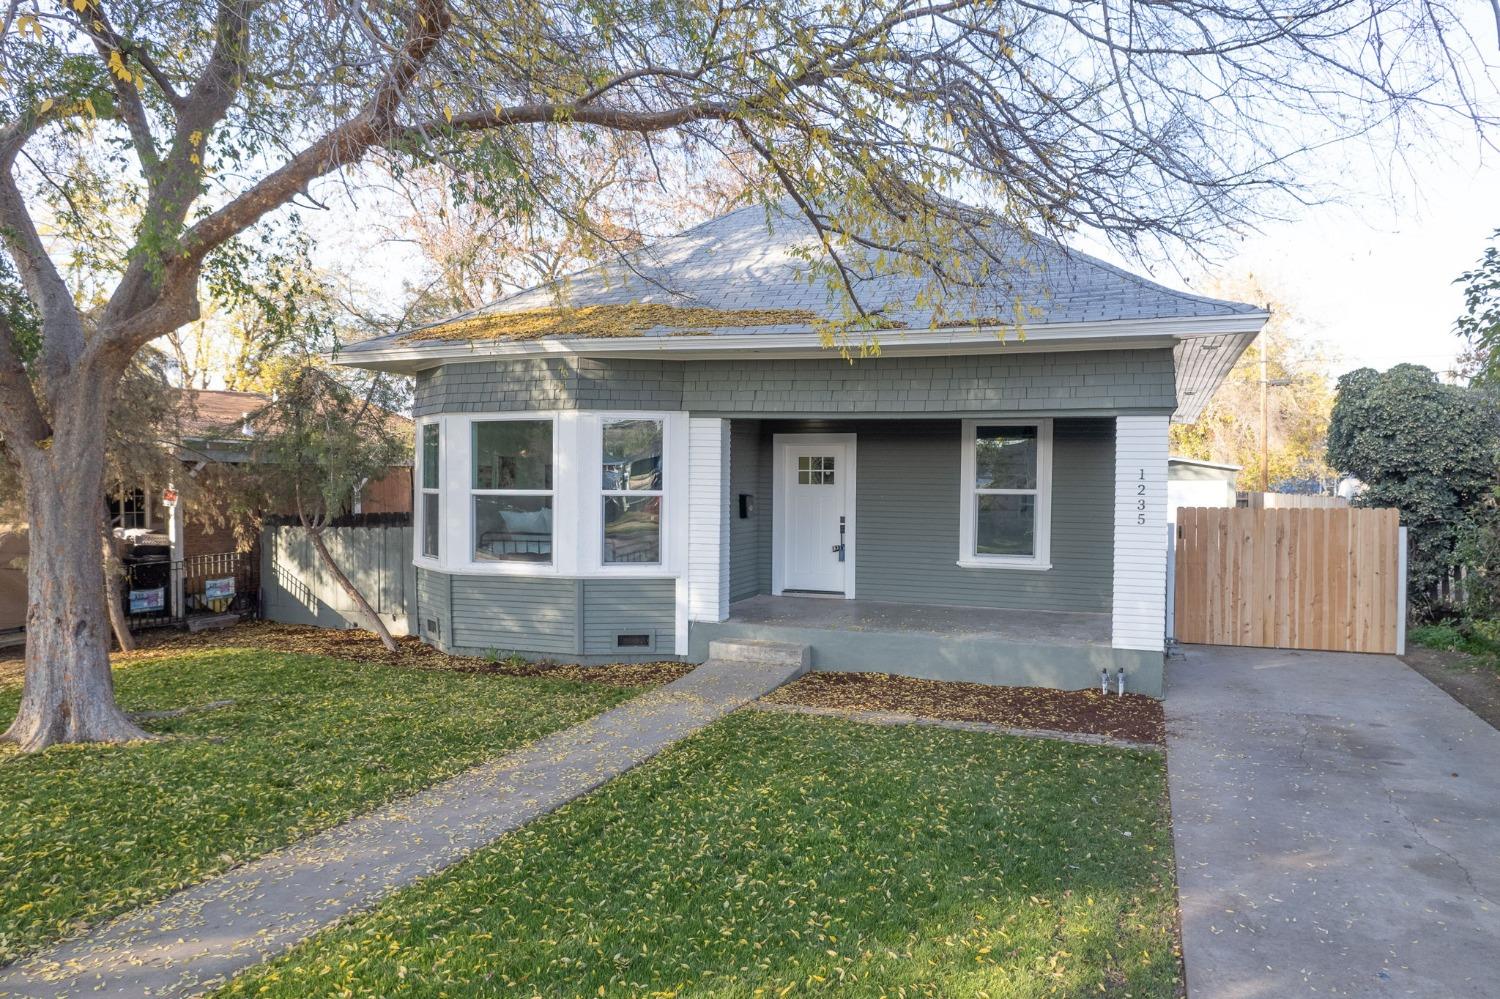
(21, 419)
(145, 303)
(44, 284)
(94, 23)
(342, 146)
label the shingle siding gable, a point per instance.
(1082, 381)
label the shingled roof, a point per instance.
(753, 260)
(217, 414)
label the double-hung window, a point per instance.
(1006, 498)
(511, 490)
(431, 505)
(631, 466)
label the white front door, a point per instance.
(814, 522)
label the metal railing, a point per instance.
(166, 593)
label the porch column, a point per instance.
(175, 537)
(1140, 556)
(707, 579)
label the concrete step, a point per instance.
(753, 650)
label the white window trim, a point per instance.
(559, 515)
(674, 452)
(1042, 559)
(419, 522)
(577, 510)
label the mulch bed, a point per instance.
(1134, 717)
(363, 647)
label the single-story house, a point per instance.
(1191, 482)
(660, 451)
(216, 428)
(192, 530)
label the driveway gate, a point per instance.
(1327, 579)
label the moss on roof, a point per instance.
(632, 319)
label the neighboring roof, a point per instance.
(217, 415)
(750, 269)
(208, 413)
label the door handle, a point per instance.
(839, 548)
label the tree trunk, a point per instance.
(113, 573)
(69, 693)
(376, 624)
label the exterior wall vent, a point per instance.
(636, 641)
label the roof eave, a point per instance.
(1112, 334)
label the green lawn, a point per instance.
(309, 742)
(778, 855)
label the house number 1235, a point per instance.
(1140, 501)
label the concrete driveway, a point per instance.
(1337, 825)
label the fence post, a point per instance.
(1171, 581)
(1401, 592)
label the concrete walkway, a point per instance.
(198, 938)
(1337, 826)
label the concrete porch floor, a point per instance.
(1050, 627)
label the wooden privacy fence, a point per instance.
(1328, 579)
(296, 588)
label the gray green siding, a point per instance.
(611, 606)
(549, 383)
(1099, 382)
(1060, 382)
(530, 613)
(907, 503)
(545, 616)
(434, 620)
(744, 533)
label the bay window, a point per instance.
(570, 493)
(511, 490)
(1005, 502)
(631, 463)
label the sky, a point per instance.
(1374, 276)
(1371, 270)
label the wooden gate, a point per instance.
(1290, 579)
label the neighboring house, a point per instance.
(179, 548)
(217, 427)
(13, 553)
(1191, 482)
(686, 461)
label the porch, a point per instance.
(1062, 649)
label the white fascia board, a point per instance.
(1124, 334)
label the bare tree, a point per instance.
(1165, 120)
